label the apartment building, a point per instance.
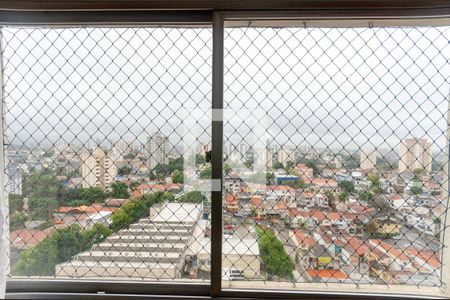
(157, 150)
(368, 159)
(415, 154)
(98, 169)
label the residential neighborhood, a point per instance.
(306, 219)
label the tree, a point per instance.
(69, 195)
(15, 202)
(93, 194)
(418, 173)
(372, 227)
(200, 159)
(205, 173)
(38, 261)
(78, 202)
(194, 196)
(343, 197)
(69, 241)
(347, 186)
(227, 169)
(97, 234)
(176, 164)
(130, 155)
(269, 178)
(276, 261)
(17, 220)
(137, 208)
(119, 190)
(289, 164)
(416, 190)
(296, 184)
(61, 246)
(42, 208)
(161, 171)
(313, 165)
(375, 184)
(330, 198)
(277, 165)
(124, 170)
(178, 177)
(42, 184)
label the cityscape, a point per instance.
(127, 210)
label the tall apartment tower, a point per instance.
(98, 169)
(368, 159)
(286, 154)
(415, 154)
(263, 160)
(157, 149)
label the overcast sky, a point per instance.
(324, 87)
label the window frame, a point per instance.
(217, 19)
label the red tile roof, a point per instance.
(354, 244)
(83, 209)
(317, 214)
(333, 216)
(24, 238)
(336, 274)
(321, 182)
(396, 197)
(304, 239)
(430, 257)
(395, 252)
(256, 201)
(230, 199)
(294, 212)
(273, 187)
(281, 205)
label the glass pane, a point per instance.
(105, 130)
(335, 157)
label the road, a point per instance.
(411, 237)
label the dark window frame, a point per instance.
(39, 13)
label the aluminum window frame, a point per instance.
(218, 20)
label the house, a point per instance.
(304, 171)
(145, 188)
(24, 238)
(397, 202)
(112, 202)
(83, 215)
(323, 185)
(327, 275)
(300, 218)
(426, 260)
(360, 254)
(320, 257)
(277, 192)
(391, 256)
(256, 205)
(232, 184)
(231, 203)
(313, 199)
(386, 227)
(302, 241)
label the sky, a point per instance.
(327, 87)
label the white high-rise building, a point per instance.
(286, 154)
(98, 169)
(415, 154)
(157, 150)
(263, 160)
(368, 159)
